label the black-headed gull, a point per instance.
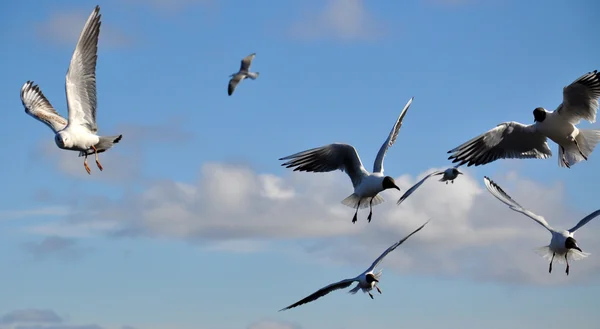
(562, 244)
(345, 158)
(367, 280)
(512, 140)
(80, 132)
(242, 74)
(450, 175)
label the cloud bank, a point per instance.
(231, 207)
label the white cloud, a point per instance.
(43, 211)
(231, 207)
(340, 19)
(272, 324)
(64, 27)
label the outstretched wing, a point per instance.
(246, 62)
(235, 80)
(322, 292)
(378, 165)
(392, 247)
(329, 158)
(584, 221)
(580, 99)
(37, 106)
(496, 191)
(508, 140)
(414, 187)
(81, 77)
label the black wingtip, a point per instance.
(118, 139)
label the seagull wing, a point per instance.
(508, 140)
(37, 106)
(584, 221)
(497, 191)
(322, 292)
(81, 76)
(414, 187)
(378, 165)
(246, 62)
(391, 248)
(580, 99)
(329, 158)
(234, 82)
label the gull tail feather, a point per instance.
(104, 144)
(253, 75)
(353, 199)
(587, 139)
(572, 255)
(355, 289)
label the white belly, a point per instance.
(557, 129)
(370, 186)
(557, 244)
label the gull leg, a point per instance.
(370, 295)
(370, 210)
(578, 149)
(551, 260)
(356, 213)
(378, 289)
(86, 165)
(567, 270)
(446, 182)
(97, 160)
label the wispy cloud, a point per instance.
(43, 211)
(31, 316)
(64, 27)
(64, 248)
(232, 207)
(345, 20)
(272, 324)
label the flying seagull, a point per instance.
(562, 244)
(450, 174)
(366, 280)
(510, 140)
(345, 158)
(80, 132)
(242, 74)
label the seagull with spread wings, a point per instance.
(344, 157)
(242, 74)
(514, 140)
(366, 280)
(562, 243)
(450, 175)
(80, 132)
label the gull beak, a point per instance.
(577, 248)
(396, 187)
(459, 172)
(375, 280)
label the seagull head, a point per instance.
(371, 278)
(456, 172)
(539, 114)
(389, 182)
(571, 243)
(62, 140)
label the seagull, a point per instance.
(562, 244)
(242, 74)
(366, 280)
(79, 133)
(450, 174)
(345, 158)
(510, 140)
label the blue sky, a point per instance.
(194, 224)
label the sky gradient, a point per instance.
(193, 224)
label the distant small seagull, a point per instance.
(450, 174)
(366, 280)
(79, 133)
(345, 158)
(562, 244)
(242, 74)
(510, 140)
